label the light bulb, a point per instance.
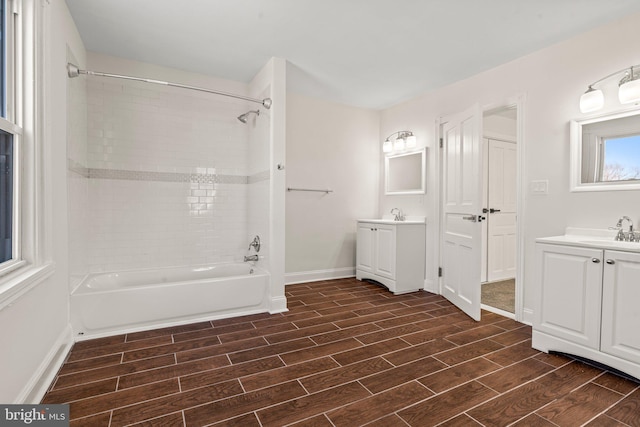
(387, 146)
(629, 91)
(411, 141)
(398, 145)
(591, 100)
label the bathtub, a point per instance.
(119, 302)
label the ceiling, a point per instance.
(366, 53)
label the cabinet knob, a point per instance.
(610, 262)
(596, 260)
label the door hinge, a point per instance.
(441, 142)
(439, 271)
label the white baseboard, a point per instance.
(317, 275)
(431, 286)
(41, 379)
(527, 316)
(278, 305)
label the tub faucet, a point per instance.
(399, 216)
(248, 258)
(255, 244)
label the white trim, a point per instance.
(318, 275)
(431, 286)
(17, 285)
(278, 305)
(499, 311)
(39, 383)
(527, 317)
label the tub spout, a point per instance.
(248, 258)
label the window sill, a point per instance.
(22, 281)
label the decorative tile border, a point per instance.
(128, 175)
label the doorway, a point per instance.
(499, 246)
(465, 264)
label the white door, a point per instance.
(501, 218)
(461, 210)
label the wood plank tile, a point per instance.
(616, 383)
(173, 371)
(513, 405)
(210, 332)
(446, 405)
(512, 337)
(270, 350)
(459, 374)
(401, 374)
(345, 333)
(135, 336)
(567, 378)
(461, 420)
(379, 405)
(579, 406)
(331, 318)
(113, 371)
(317, 421)
(247, 420)
(475, 334)
(386, 334)
(92, 421)
(627, 410)
(145, 353)
(366, 352)
(171, 420)
(468, 352)
(392, 420)
(96, 362)
(248, 402)
(97, 404)
(431, 334)
(403, 320)
(599, 421)
(345, 374)
(288, 373)
(166, 405)
(98, 342)
(311, 405)
(243, 319)
(534, 420)
(200, 379)
(362, 320)
(300, 333)
(88, 353)
(256, 332)
(232, 347)
(320, 350)
(419, 351)
(514, 353)
(81, 391)
(515, 375)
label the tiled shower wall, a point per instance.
(168, 174)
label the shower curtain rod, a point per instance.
(74, 71)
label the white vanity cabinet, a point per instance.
(391, 253)
(589, 302)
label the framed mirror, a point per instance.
(605, 153)
(405, 173)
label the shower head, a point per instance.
(245, 117)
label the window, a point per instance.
(621, 158)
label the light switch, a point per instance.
(540, 186)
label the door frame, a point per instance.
(521, 314)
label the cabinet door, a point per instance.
(621, 305)
(570, 293)
(364, 247)
(385, 251)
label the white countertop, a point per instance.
(389, 220)
(591, 238)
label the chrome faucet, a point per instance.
(255, 244)
(248, 258)
(399, 216)
(629, 236)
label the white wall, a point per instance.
(34, 328)
(552, 81)
(168, 168)
(329, 146)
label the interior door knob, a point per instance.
(494, 210)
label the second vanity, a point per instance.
(588, 298)
(392, 253)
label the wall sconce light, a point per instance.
(404, 139)
(628, 90)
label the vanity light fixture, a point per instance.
(628, 90)
(403, 139)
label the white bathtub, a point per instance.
(119, 302)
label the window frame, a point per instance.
(28, 21)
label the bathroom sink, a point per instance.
(612, 243)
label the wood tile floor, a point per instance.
(348, 353)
